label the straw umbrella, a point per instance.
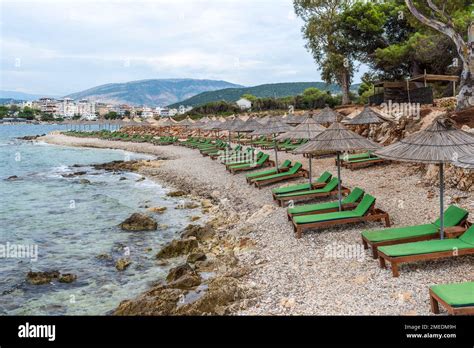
(249, 126)
(367, 116)
(327, 116)
(440, 143)
(339, 139)
(274, 127)
(235, 125)
(167, 122)
(308, 129)
(466, 162)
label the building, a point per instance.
(86, 109)
(184, 109)
(67, 108)
(47, 106)
(244, 104)
(147, 112)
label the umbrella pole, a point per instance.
(441, 199)
(310, 170)
(276, 152)
(339, 194)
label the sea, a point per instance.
(72, 222)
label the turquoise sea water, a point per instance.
(71, 223)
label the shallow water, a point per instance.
(72, 223)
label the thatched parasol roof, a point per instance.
(235, 125)
(249, 126)
(274, 126)
(367, 116)
(308, 129)
(466, 162)
(337, 138)
(327, 115)
(187, 122)
(167, 122)
(441, 142)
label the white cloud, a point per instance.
(81, 43)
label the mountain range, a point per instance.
(175, 92)
(276, 90)
(157, 92)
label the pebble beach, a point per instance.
(326, 272)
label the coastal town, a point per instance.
(69, 109)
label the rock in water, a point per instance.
(39, 278)
(122, 264)
(157, 210)
(139, 222)
(177, 248)
(12, 178)
(67, 278)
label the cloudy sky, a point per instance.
(58, 47)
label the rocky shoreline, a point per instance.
(251, 264)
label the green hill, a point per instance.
(276, 90)
(156, 92)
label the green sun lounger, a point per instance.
(294, 172)
(239, 167)
(364, 211)
(426, 250)
(453, 216)
(356, 194)
(330, 189)
(323, 178)
(330, 186)
(284, 166)
(456, 298)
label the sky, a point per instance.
(57, 47)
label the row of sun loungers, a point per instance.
(392, 246)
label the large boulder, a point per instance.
(139, 222)
(178, 247)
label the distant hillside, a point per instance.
(20, 95)
(277, 90)
(151, 92)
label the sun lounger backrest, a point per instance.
(330, 185)
(468, 236)
(295, 168)
(364, 206)
(263, 159)
(285, 164)
(324, 177)
(354, 196)
(453, 216)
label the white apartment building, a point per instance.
(147, 112)
(67, 108)
(184, 109)
(86, 109)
